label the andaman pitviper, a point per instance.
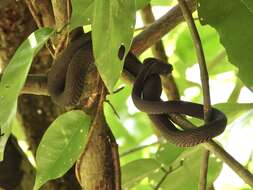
(65, 85)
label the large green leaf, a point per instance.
(137, 170)
(61, 146)
(235, 27)
(82, 13)
(14, 77)
(83, 10)
(113, 26)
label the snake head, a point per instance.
(158, 66)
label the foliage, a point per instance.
(112, 23)
(61, 146)
(14, 78)
(239, 43)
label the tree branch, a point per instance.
(205, 84)
(230, 161)
(158, 29)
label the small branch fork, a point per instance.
(144, 40)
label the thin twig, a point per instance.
(204, 170)
(230, 161)
(166, 173)
(138, 148)
(158, 29)
(43, 16)
(204, 81)
(34, 12)
(236, 92)
(217, 59)
(61, 12)
(113, 109)
(163, 178)
(200, 55)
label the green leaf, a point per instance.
(141, 3)
(185, 174)
(168, 153)
(83, 9)
(14, 77)
(235, 35)
(113, 26)
(137, 170)
(234, 110)
(162, 2)
(82, 13)
(61, 146)
(6, 130)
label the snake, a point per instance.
(66, 83)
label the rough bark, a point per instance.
(36, 112)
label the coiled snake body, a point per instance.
(65, 84)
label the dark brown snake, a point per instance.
(65, 85)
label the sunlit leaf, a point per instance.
(61, 146)
(113, 26)
(14, 77)
(82, 13)
(235, 35)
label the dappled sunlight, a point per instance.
(236, 142)
(25, 148)
(246, 96)
(129, 124)
(191, 93)
(131, 107)
(33, 41)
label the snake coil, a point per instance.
(148, 100)
(65, 84)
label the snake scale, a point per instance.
(65, 85)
